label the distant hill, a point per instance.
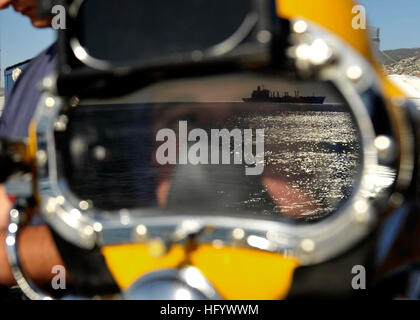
(392, 56)
(401, 61)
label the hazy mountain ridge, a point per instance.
(391, 56)
(401, 61)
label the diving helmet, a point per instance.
(223, 150)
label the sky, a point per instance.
(399, 21)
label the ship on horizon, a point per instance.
(264, 95)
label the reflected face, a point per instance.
(270, 190)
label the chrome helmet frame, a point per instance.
(317, 55)
(335, 62)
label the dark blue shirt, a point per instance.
(22, 101)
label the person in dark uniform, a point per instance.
(36, 245)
